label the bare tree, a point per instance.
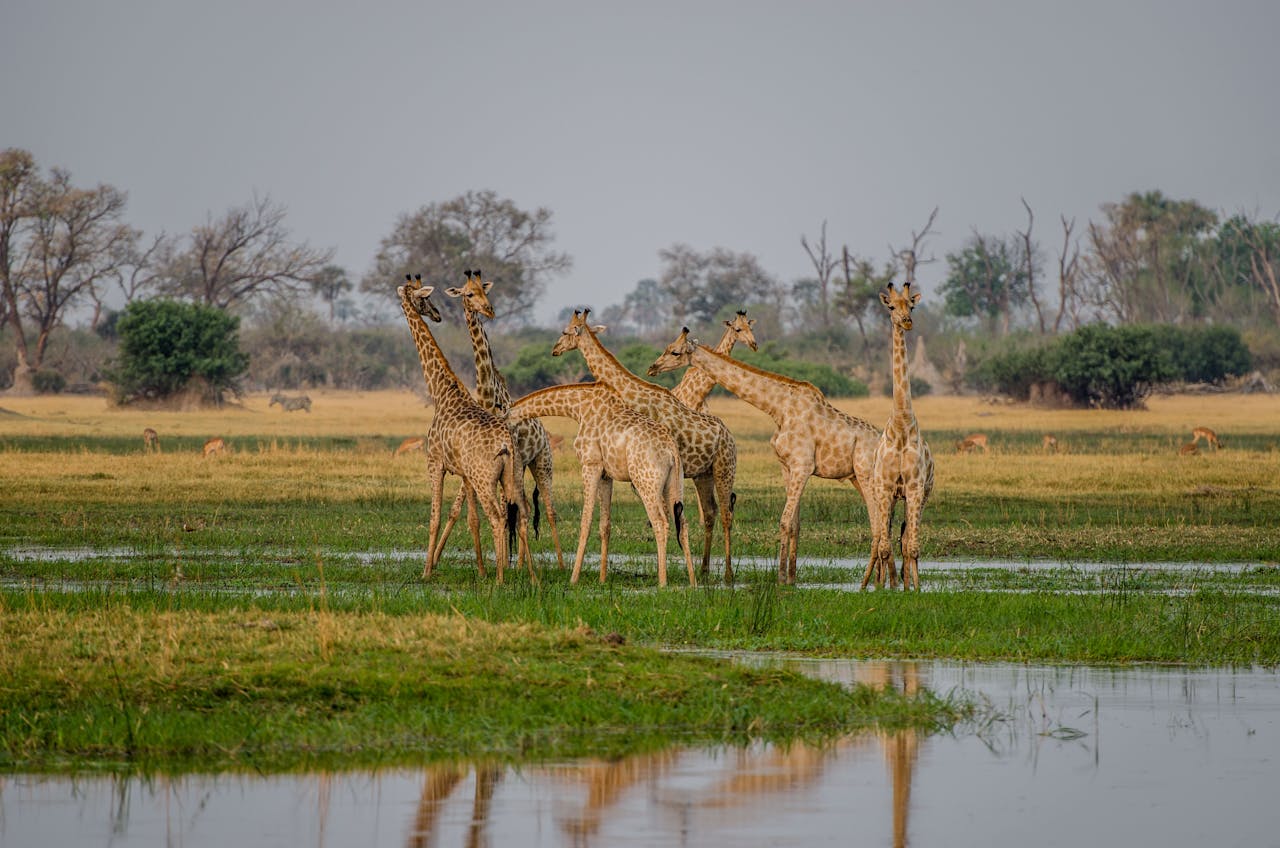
(910, 256)
(861, 288)
(244, 253)
(1069, 298)
(56, 243)
(19, 178)
(824, 264)
(1030, 264)
(136, 273)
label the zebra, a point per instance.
(290, 404)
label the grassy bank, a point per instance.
(117, 686)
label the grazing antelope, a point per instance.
(1188, 449)
(1049, 444)
(1210, 437)
(413, 443)
(974, 440)
(215, 445)
(290, 404)
(150, 440)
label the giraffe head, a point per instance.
(899, 305)
(741, 326)
(474, 294)
(573, 332)
(677, 354)
(418, 297)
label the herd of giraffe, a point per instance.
(631, 430)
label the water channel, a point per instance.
(1080, 756)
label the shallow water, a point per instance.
(1084, 756)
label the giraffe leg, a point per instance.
(724, 477)
(455, 509)
(911, 542)
(590, 480)
(676, 507)
(605, 494)
(880, 508)
(654, 505)
(707, 509)
(542, 479)
(789, 526)
(435, 476)
(496, 514)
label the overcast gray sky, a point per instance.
(640, 124)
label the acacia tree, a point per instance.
(701, 285)
(56, 243)
(1145, 261)
(247, 252)
(474, 230)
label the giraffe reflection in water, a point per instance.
(751, 778)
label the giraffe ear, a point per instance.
(488, 286)
(751, 322)
(726, 323)
(453, 291)
(884, 298)
(427, 290)
(915, 298)
(599, 328)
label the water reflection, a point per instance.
(1086, 755)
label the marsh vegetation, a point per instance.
(264, 606)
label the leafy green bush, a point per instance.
(831, 382)
(167, 347)
(1111, 367)
(1205, 354)
(48, 382)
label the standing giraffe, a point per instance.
(150, 440)
(695, 385)
(615, 442)
(533, 446)
(813, 437)
(903, 465)
(467, 440)
(707, 449)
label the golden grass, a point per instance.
(270, 459)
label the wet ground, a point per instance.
(1078, 756)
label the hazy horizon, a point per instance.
(725, 124)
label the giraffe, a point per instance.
(812, 436)
(533, 446)
(707, 450)
(467, 440)
(150, 440)
(695, 385)
(903, 468)
(615, 442)
(214, 446)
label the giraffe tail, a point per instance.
(513, 517)
(536, 514)
(678, 509)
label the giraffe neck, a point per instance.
(608, 370)
(491, 389)
(903, 415)
(696, 384)
(442, 382)
(763, 390)
(574, 401)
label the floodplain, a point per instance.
(263, 610)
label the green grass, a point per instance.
(122, 685)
